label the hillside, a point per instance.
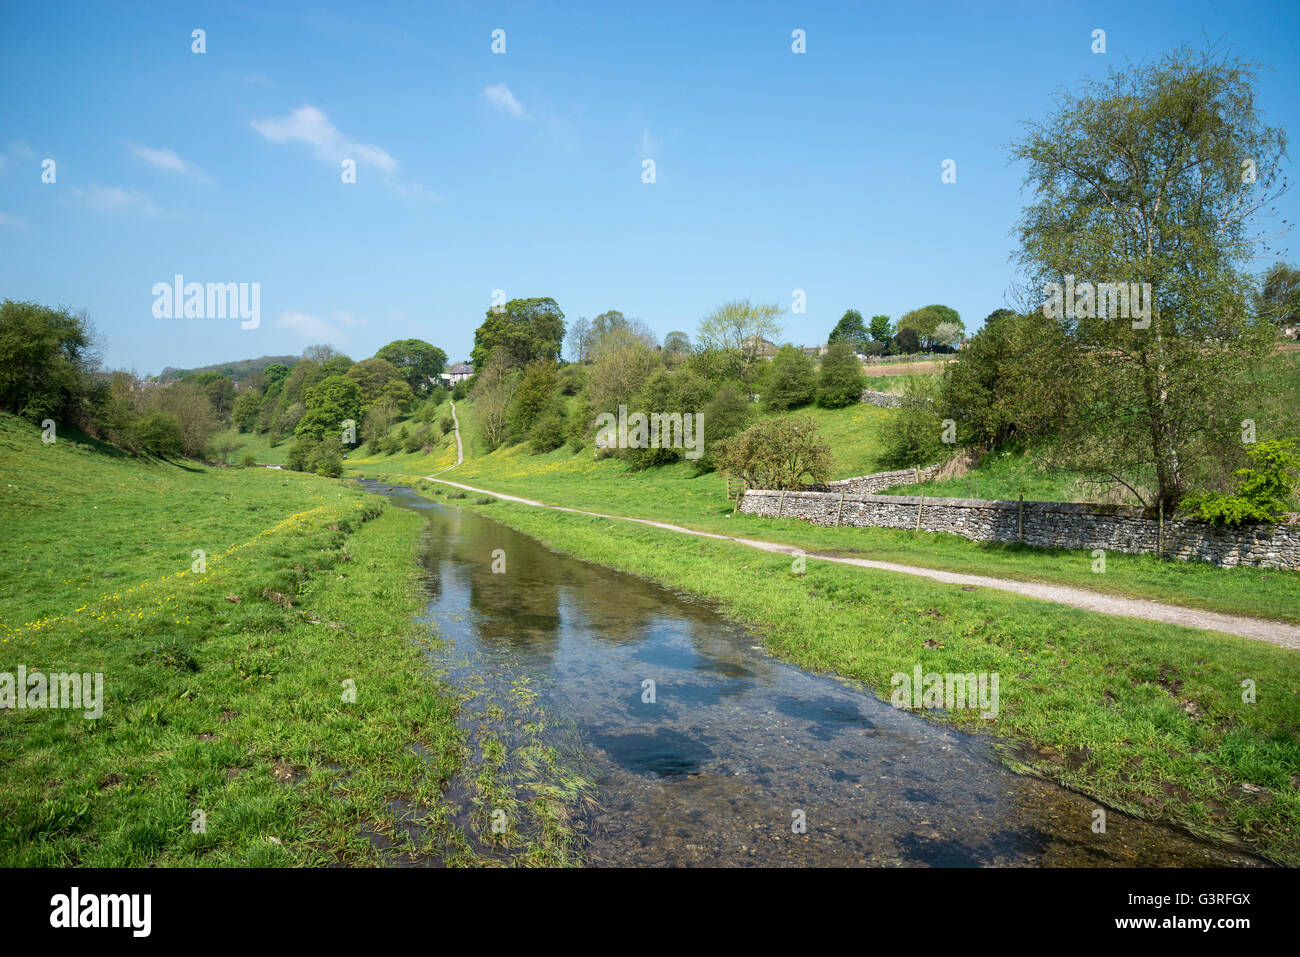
(236, 370)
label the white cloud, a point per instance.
(166, 159)
(649, 145)
(311, 126)
(499, 96)
(414, 191)
(17, 150)
(315, 329)
(112, 199)
(15, 221)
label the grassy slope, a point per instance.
(1147, 718)
(222, 690)
(257, 445)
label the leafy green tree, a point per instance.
(1278, 299)
(533, 396)
(1140, 180)
(276, 373)
(522, 331)
(221, 393)
(159, 433)
(727, 413)
(375, 375)
(792, 380)
(850, 329)
(550, 431)
(839, 383)
(621, 362)
(493, 395)
(882, 329)
(737, 330)
(677, 343)
(906, 341)
(301, 452)
(45, 358)
(328, 405)
(925, 322)
(656, 395)
(417, 361)
(189, 403)
(247, 408)
(1011, 383)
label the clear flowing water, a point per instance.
(736, 746)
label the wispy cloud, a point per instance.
(315, 329)
(649, 145)
(113, 199)
(167, 160)
(499, 96)
(313, 128)
(17, 150)
(16, 222)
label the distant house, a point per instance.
(457, 373)
(764, 350)
(815, 351)
(1292, 331)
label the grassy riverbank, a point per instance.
(275, 707)
(1146, 718)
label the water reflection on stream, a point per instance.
(737, 741)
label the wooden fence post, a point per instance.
(1020, 520)
(1160, 537)
(919, 508)
(780, 507)
(840, 509)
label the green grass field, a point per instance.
(224, 687)
(257, 445)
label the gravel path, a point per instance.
(1274, 632)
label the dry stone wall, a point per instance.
(1047, 524)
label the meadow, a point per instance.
(274, 706)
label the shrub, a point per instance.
(778, 453)
(791, 381)
(840, 381)
(159, 433)
(327, 458)
(417, 439)
(913, 433)
(300, 453)
(1264, 492)
(549, 432)
(727, 414)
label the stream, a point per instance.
(736, 747)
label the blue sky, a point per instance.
(522, 171)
